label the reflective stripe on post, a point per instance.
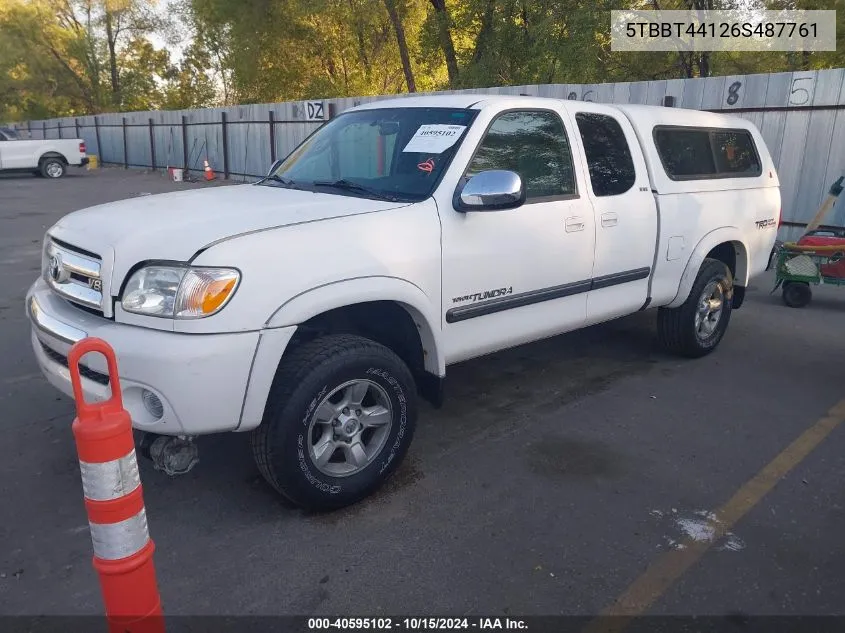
(119, 526)
(113, 541)
(110, 480)
(111, 484)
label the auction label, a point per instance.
(434, 138)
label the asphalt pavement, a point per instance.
(556, 478)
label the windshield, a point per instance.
(389, 153)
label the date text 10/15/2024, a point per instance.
(416, 624)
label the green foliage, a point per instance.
(75, 57)
(66, 57)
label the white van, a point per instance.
(312, 307)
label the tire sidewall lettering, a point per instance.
(403, 413)
(301, 449)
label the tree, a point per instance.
(441, 19)
(46, 61)
(124, 23)
(396, 20)
(60, 57)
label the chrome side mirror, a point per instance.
(492, 190)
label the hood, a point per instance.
(174, 226)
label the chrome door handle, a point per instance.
(609, 219)
(575, 223)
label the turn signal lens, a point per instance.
(205, 291)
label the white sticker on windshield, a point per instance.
(434, 139)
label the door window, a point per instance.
(608, 155)
(534, 145)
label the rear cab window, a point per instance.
(608, 156)
(692, 153)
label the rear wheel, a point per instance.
(52, 167)
(339, 420)
(796, 294)
(696, 327)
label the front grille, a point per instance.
(84, 371)
(75, 274)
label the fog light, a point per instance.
(152, 403)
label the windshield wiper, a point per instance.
(348, 185)
(285, 182)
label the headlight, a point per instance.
(179, 292)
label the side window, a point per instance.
(608, 155)
(696, 153)
(685, 153)
(735, 153)
(534, 145)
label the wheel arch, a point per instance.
(52, 154)
(386, 291)
(724, 244)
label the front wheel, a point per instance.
(339, 420)
(696, 327)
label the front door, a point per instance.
(520, 274)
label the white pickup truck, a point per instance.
(49, 158)
(312, 307)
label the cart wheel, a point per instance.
(796, 294)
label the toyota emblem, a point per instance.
(56, 269)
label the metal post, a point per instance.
(225, 133)
(332, 110)
(185, 142)
(125, 148)
(76, 127)
(59, 125)
(272, 138)
(44, 130)
(669, 101)
(152, 146)
(97, 135)
(29, 128)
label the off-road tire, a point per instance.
(676, 326)
(280, 444)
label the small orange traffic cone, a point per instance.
(209, 172)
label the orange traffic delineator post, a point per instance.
(123, 550)
(209, 172)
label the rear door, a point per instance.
(625, 210)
